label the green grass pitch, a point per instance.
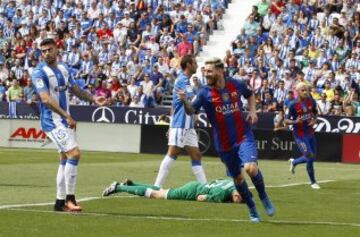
(27, 190)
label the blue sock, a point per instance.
(63, 162)
(245, 193)
(72, 161)
(195, 162)
(300, 160)
(258, 181)
(310, 170)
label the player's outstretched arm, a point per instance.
(84, 95)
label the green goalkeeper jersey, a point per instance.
(215, 191)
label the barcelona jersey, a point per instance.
(306, 110)
(224, 111)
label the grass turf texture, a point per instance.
(28, 177)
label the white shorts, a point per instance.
(181, 137)
(64, 138)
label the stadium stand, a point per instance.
(282, 43)
(129, 51)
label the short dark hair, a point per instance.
(47, 42)
(185, 60)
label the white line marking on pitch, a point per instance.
(296, 184)
(95, 214)
(52, 203)
(96, 198)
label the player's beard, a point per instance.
(210, 80)
(303, 95)
(50, 60)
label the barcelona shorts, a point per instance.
(306, 145)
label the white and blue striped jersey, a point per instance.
(179, 117)
(56, 82)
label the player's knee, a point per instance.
(62, 156)
(310, 158)
(251, 169)
(173, 151)
(196, 156)
(193, 152)
(157, 194)
(309, 155)
(239, 179)
(74, 153)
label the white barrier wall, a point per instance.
(90, 136)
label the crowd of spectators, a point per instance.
(312, 41)
(125, 50)
(129, 51)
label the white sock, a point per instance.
(148, 192)
(164, 169)
(199, 173)
(71, 175)
(60, 182)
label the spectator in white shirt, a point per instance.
(324, 106)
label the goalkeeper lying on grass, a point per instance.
(214, 191)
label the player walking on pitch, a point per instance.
(182, 134)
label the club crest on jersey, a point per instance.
(39, 83)
(225, 96)
(234, 95)
(61, 134)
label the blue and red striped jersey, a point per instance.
(306, 110)
(224, 111)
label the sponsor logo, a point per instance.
(28, 135)
(234, 95)
(204, 140)
(60, 88)
(140, 117)
(103, 115)
(227, 108)
(276, 144)
(216, 99)
(344, 125)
